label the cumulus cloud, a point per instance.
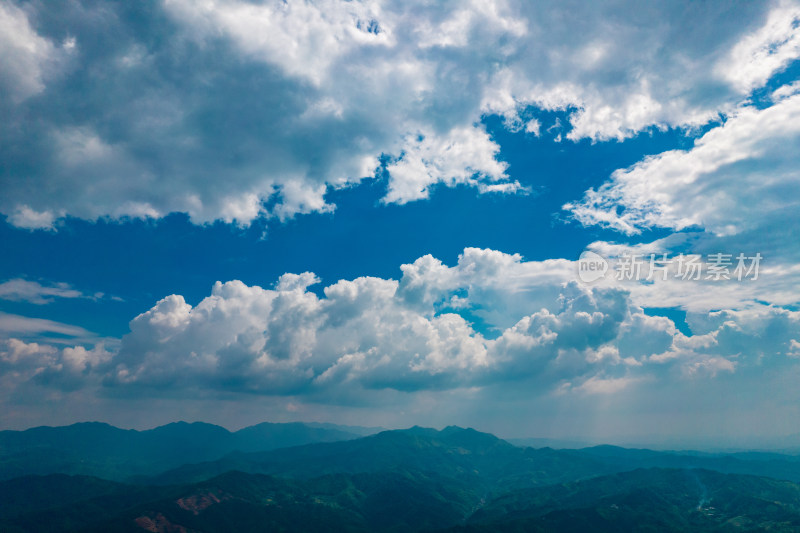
(732, 193)
(65, 368)
(26, 58)
(26, 218)
(672, 283)
(737, 177)
(233, 110)
(409, 335)
(463, 156)
(305, 39)
(358, 338)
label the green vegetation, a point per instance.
(454, 480)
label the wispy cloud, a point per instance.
(17, 324)
(20, 290)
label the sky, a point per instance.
(549, 219)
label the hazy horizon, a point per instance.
(789, 443)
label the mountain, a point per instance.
(358, 430)
(481, 458)
(641, 500)
(246, 502)
(774, 465)
(646, 500)
(418, 479)
(33, 493)
(108, 452)
(269, 436)
(463, 454)
(185, 453)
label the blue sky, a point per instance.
(370, 212)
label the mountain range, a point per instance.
(199, 477)
(102, 450)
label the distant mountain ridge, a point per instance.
(190, 452)
(482, 458)
(102, 450)
(464, 454)
(358, 430)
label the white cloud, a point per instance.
(304, 38)
(34, 292)
(731, 193)
(533, 126)
(78, 359)
(622, 79)
(794, 348)
(297, 197)
(246, 110)
(25, 56)
(27, 218)
(761, 53)
(373, 334)
(738, 176)
(17, 324)
(64, 368)
(465, 156)
(17, 351)
(778, 273)
(710, 366)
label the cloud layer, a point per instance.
(418, 334)
(738, 176)
(242, 110)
